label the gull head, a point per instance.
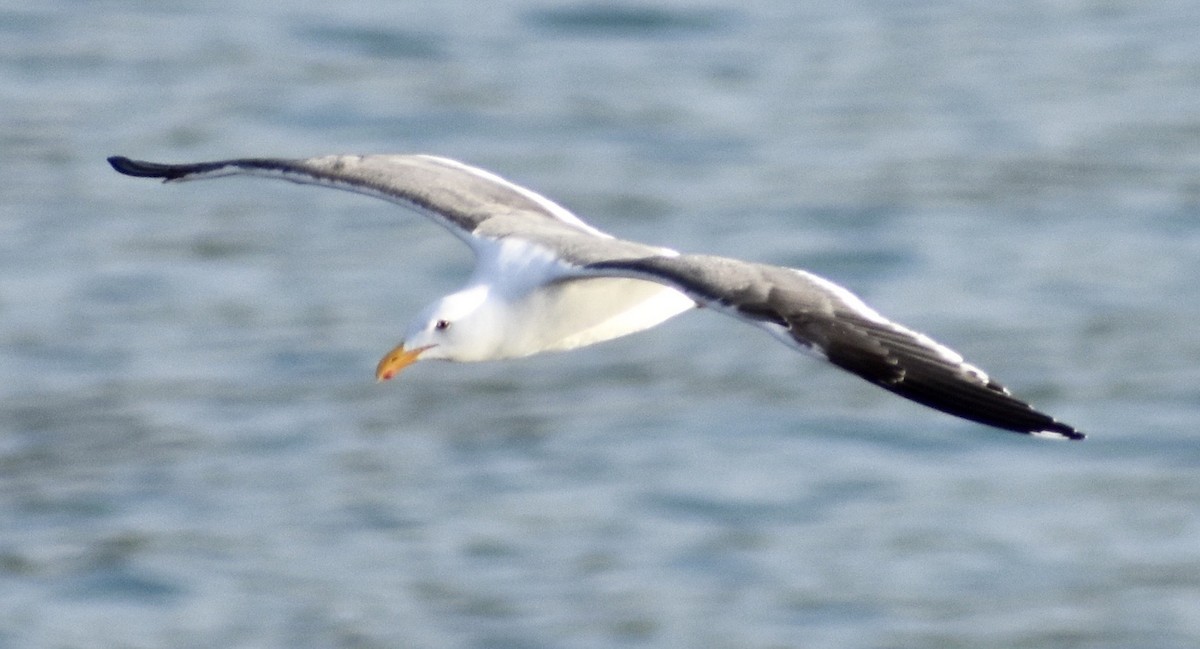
(459, 327)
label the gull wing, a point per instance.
(457, 196)
(815, 315)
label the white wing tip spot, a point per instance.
(1049, 434)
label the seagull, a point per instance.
(544, 280)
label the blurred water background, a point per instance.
(193, 452)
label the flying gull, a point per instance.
(546, 281)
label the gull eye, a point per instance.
(441, 325)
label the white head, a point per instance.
(458, 327)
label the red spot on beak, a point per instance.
(396, 360)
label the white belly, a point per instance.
(580, 312)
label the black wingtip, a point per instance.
(141, 168)
(1060, 430)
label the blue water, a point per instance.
(193, 452)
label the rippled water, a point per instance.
(193, 452)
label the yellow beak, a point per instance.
(396, 360)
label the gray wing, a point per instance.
(816, 315)
(457, 196)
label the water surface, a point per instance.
(193, 452)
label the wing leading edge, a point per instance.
(455, 195)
